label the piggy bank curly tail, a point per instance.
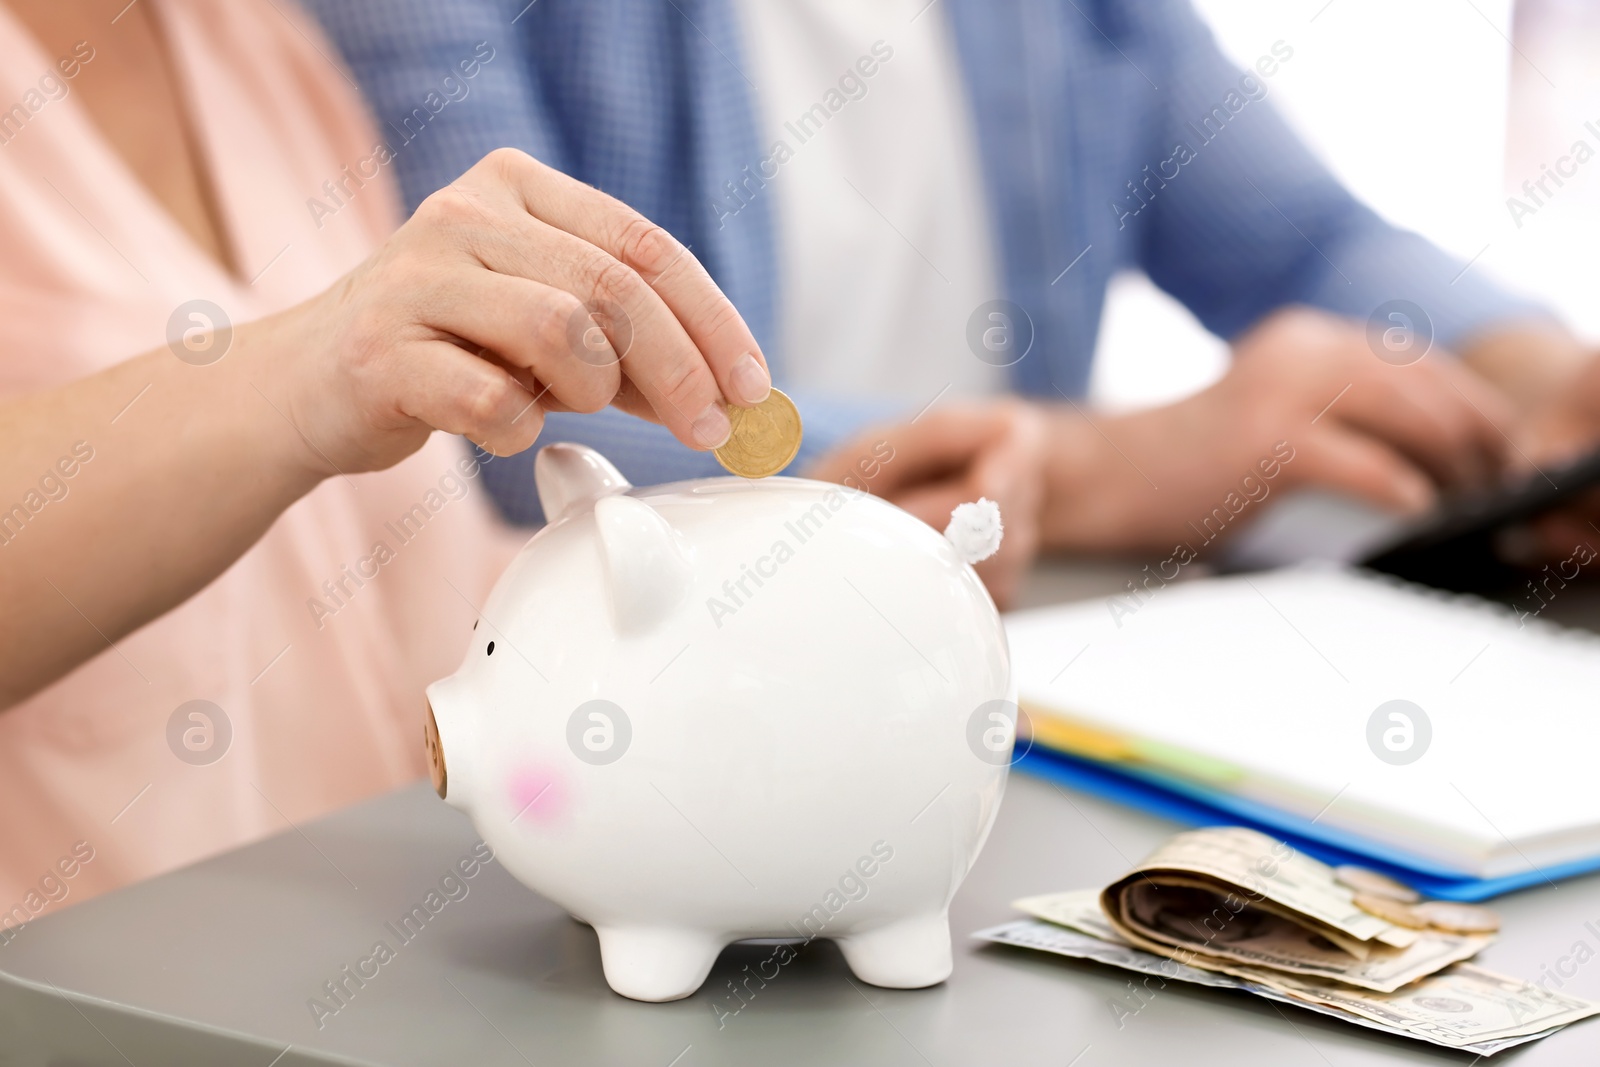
(975, 530)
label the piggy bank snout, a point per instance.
(430, 740)
(448, 732)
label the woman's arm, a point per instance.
(514, 291)
(173, 491)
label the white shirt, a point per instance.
(883, 233)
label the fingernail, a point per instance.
(712, 429)
(750, 380)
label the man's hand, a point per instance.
(953, 455)
(1555, 382)
(1393, 435)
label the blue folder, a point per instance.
(1196, 805)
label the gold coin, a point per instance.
(765, 438)
(1455, 918)
(1370, 882)
(1390, 910)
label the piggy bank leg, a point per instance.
(650, 963)
(906, 954)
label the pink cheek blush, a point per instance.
(538, 795)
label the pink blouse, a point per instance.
(317, 643)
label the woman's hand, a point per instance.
(514, 291)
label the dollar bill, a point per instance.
(1189, 920)
(1048, 937)
(1266, 871)
(1078, 909)
(1413, 1013)
(1461, 1004)
(1228, 897)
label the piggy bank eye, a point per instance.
(491, 649)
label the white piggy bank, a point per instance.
(731, 709)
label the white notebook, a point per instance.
(1263, 687)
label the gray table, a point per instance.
(214, 965)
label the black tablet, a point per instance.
(1457, 545)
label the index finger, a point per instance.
(667, 266)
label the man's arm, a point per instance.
(1243, 219)
(446, 83)
(1252, 221)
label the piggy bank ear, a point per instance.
(570, 476)
(645, 567)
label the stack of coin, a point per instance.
(765, 438)
(1378, 894)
